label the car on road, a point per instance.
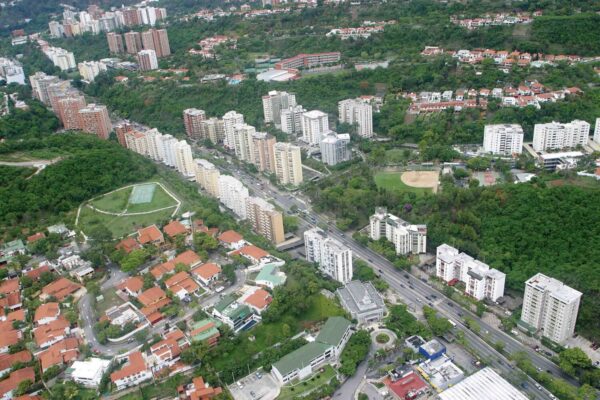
(538, 386)
(430, 304)
(450, 304)
(370, 260)
(424, 280)
(406, 276)
(402, 286)
(411, 286)
(460, 314)
(380, 271)
(524, 385)
(434, 296)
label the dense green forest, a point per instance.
(577, 34)
(35, 122)
(89, 167)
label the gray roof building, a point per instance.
(362, 301)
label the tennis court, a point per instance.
(142, 193)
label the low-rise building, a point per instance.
(206, 331)
(441, 372)
(484, 384)
(198, 390)
(239, 317)
(134, 372)
(182, 285)
(207, 273)
(132, 286)
(60, 289)
(89, 373)
(60, 353)
(46, 313)
(270, 276)
(432, 349)
(407, 238)
(167, 352)
(150, 235)
(9, 385)
(232, 240)
(362, 301)
(258, 300)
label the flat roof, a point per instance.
(484, 384)
(550, 156)
(360, 297)
(554, 287)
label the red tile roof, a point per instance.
(46, 310)
(59, 353)
(12, 300)
(207, 271)
(133, 284)
(198, 390)
(9, 336)
(61, 288)
(36, 273)
(9, 286)
(188, 257)
(152, 296)
(174, 228)
(230, 237)
(135, 365)
(16, 377)
(51, 331)
(7, 360)
(251, 251)
(181, 280)
(150, 234)
(128, 245)
(35, 237)
(18, 315)
(259, 299)
(162, 269)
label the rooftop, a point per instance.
(230, 237)
(174, 228)
(332, 332)
(555, 287)
(270, 273)
(484, 384)
(301, 357)
(251, 251)
(360, 297)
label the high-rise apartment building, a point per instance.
(168, 143)
(192, 119)
(265, 219)
(56, 29)
(147, 60)
(133, 42)
(262, 147)
(597, 131)
(94, 118)
(557, 136)
(315, 124)
(233, 194)
(39, 85)
(154, 146)
(503, 139)
(59, 90)
(207, 176)
(407, 238)
(61, 58)
(121, 129)
(213, 130)
(481, 281)
(274, 102)
(115, 43)
(334, 259)
(242, 142)
(89, 70)
(288, 164)
(335, 148)
(157, 40)
(68, 111)
(184, 160)
(136, 142)
(131, 16)
(551, 307)
(359, 112)
(230, 119)
(291, 120)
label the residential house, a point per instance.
(35, 237)
(259, 300)
(166, 352)
(132, 286)
(10, 384)
(231, 240)
(198, 390)
(153, 300)
(52, 332)
(239, 317)
(9, 336)
(174, 228)
(8, 360)
(89, 373)
(252, 253)
(205, 331)
(60, 353)
(60, 289)
(128, 245)
(150, 235)
(133, 373)
(270, 276)
(182, 285)
(46, 313)
(207, 273)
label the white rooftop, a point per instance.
(89, 369)
(315, 114)
(484, 384)
(555, 287)
(564, 154)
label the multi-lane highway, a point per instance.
(410, 288)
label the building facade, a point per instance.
(597, 131)
(233, 194)
(231, 119)
(184, 160)
(503, 140)
(274, 102)
(147, 60)
(335, 148)
(192, 120)
(407, 238)
(265, 219)
(334, 259)
(133, 42)
(291, 120)
(115, 43)
(68, 111)
(94, 118)
(263, 155)
(550, 307)
(315, 124)
(557, 136)
(288, 163)
(207, 176)
(359, 112)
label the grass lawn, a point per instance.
(40, 154)
(395, 156)
(114, 202)
(110, 299)
(312, 383)
(392, 181)
(119, 201)
(120, 225)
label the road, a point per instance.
(419, 294)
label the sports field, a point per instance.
(399, 181)
(126, 209)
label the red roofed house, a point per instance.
(61, 289)
(12, 301)
(198, 390)
(259, 300)
(7, 360)
(37, 272)
(52, 332)
(408, 386)
(163, 269)
(150, 235)
(232, 240)
(9, 336)
(128, 245)
(174, 228)
(153, 300)
(10, 286)
(35, 237)
(182, 285)
(207, 273)
(133, 373)
(132, 286)
(10, 384)
(46, 313)
(18, 315)
(152, 296)
(60, 353)
(252, 253)
(166, 352)
(187, 258)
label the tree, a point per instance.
(195, 353)
(355, 352)
(290, 224)
(141, 336)
(134, 260)
(439, 326)
(573, 360)
(204, 241)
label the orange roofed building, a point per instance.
(35, 237)
(259, 300)
(166, 352)
(46, 313)
(188, 258)
(133, 373)
(132, 286)
(128, 245)
(207, 273)
(174, 228)
(60, 353)
(252, 253)
(10, 384)
(150, 235)
(182, 285)
(7, 360)
(61, 289)
(198, 390)
(231, 239)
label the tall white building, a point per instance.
(168, 144)
(334, 259)
(230, 119)
(11, 71)
(39, 86)
(233, 194)
(504, 140)
(154, 145)
(184, 160)
(242, 141)
(315, 125)
(481, 281)
(597, 131)
(359, 112)
(288, 163)
(551, 307)
(557, 136)
(89, 70)
(291, 120)
(407, 238)
(274, 102)
(147, 60)
(335, 148)
(63, 59)
(56, 29)
(207, 176)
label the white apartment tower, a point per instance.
(213, 129)
(315, 125)
(335, 148)
(242, 142)
(503, 140)
(288, 163)
(168, 143)
(481, 281)
(551, 307)
(557, 136)
(359, 112)
(334, 259)
(154, 146)
(230, 119)
(597, 131)
(184, 160)
(407, 238)
(233, 194)
(274, 102)
(291, 120)
(207, 176)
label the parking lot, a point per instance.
(254, 387)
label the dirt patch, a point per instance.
(421, 179)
